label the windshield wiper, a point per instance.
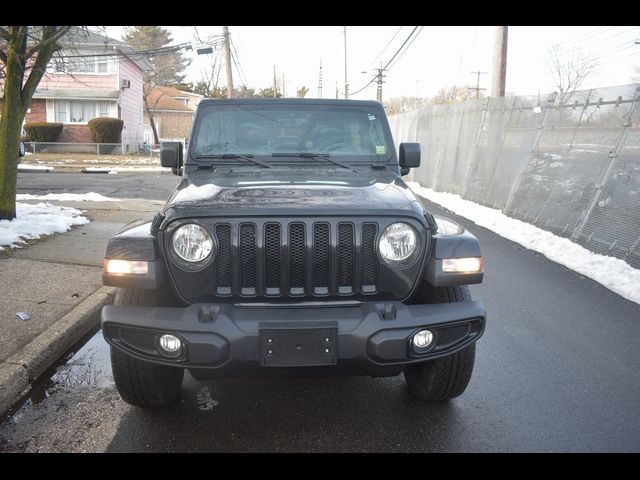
(235, 155)
(314, 155)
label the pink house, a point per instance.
(96, 76)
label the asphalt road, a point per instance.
(558, 369)
(144, 185)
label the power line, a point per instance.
(236, 57)
(387, 45)
(566, 51)
(405, 50)
(589, 34)
(378, 76)
(401, 47)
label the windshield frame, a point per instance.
(387, 159)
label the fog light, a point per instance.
(462, 265)
(422, 339)
(170, 343)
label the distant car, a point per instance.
(21, 152)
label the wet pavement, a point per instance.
(557, 370)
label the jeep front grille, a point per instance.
(296, 259)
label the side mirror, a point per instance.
(171, 155)
(409, 155)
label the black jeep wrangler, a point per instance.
(291, 246)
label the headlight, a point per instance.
(192, 243)
(397, 242)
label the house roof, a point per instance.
(86, 37)
(174, 92)
(159, 98)
(76, 93)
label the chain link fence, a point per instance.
(568, 165)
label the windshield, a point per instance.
(355, 132)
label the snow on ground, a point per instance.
(25, 167)
(68, 197)
(33, 221)
(615, 274)
(141, 169)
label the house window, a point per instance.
(62, 111)
(102, 64)
(81, 62)
(79, 111)
(103, 109)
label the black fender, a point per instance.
(457, 244)
(135, 242)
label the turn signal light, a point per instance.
(462, 265)
(124, 267)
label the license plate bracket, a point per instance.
(298, 347)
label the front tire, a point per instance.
(140, 383)
(447, 377)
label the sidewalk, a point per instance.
(57, 282)
(78, 162)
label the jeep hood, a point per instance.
(279, 193)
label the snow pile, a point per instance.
(25, 167)
(615, 274)
(35, 220)
(68, 197)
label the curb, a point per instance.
(22, 368)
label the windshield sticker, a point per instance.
(372, 117)
(380, 150)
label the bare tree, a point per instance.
(569, 70)
(455, 94)
(210, 77)
(24, 54)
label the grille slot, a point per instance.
(272, 259)
(223, 260)
(321, 259)
(297, 258)
(278, 258)
(247, 259)
(345, 253)
(369, 260)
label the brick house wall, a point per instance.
(38, 111)
(75, 134)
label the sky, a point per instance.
(439, 56)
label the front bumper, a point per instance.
(369, 337)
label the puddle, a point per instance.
(205, 399)
(86, 365)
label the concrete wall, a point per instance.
(571, 167)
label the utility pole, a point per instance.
(379, 80)
(477, 89)
(346, 83)
(283, 87)
(336, 90)
(275, 82)
(320, 81)
(499, 71)
(227, 60)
